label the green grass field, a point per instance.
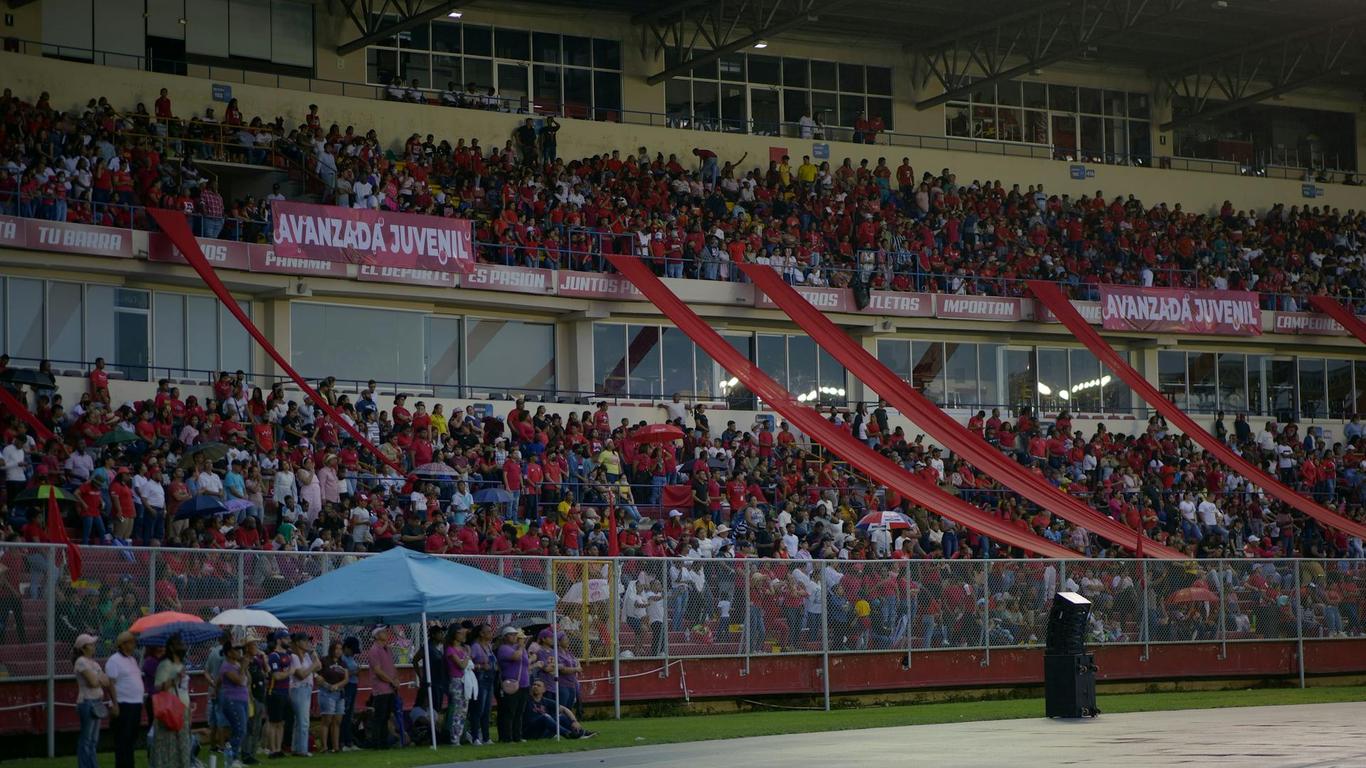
(665, 730)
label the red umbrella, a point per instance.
(1193, 595)
(657, 433)
(154, 620)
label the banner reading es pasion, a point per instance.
(1226, 313)
(363, 236)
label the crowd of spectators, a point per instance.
(881, 224)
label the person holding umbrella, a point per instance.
(171, 749)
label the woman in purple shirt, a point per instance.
(514, 678)
(568, 688)
(486, 672)
(233, 694)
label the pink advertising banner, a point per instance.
(824, 299)
(997, 308)
(898, 304)
(491, 277)
(591, 285)
(1089, 310)
(1308, 323)
(364, 236)
(64, 237)
(267, 259)
(372, 273)
(1225, 313)
(222, 254)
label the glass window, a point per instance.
(578, 51)
(880, 80)
(796, 103)
(771, 356)
(1008, 94)
(1256, 384)
(766, 70)
(609, 359)
(1114, 104)
(1280, 389)
(168, 325)
(99, 311)
(446, 73)
(1201, 377)
(1312, 393)
(478, 40)
(381, 64)
(958, 120)
(851, 106)
(881, 108)
(607, 95)
(117, 328)
(201, 329)
(832, 379)
(678, 363)
(678, 99)
(606, 54)
(1035, 95)
(578, 92)
(1053, 380)
(236, 346)
(479, 72)
(988, 375)
(1339, 373)
(1116, 397)
(1021, 385)
(1085, 390)
(642, 354)
(896, 355)
(733, 67)
(445, 37)
(1092, 139)
(65, 316)
(416, 66)
(960, 384)
(983, 94)
(851, 78)
(512, 44)
(713, 380)
(545, 84)
(418, 38)
(1138, 106)
(376, 340)
(1091, 101)
(824, 75)
(704, 70)
(25, 323)
(510, 354)
(927, 369)
(1232, 382)
(1062, 98)
(1140, 141)
(706, 103)
(795, 73)
(734, 108)
(443, 354)
(1171, 376)
(802, 377)
(1360, 406)
(826, 106)
(545, 47)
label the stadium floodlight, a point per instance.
(761, 44)
(455, 14)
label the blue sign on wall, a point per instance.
(1080, 172)
(222, 92)
(820, 151)
(1310, 190)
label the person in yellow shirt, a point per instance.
(439, 424)
(785, 172)
(806, 172)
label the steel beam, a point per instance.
(404, 24)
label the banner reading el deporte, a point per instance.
(364, 236)
(1178, 310)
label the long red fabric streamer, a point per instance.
(56, 532)
(839, 441)
(1063, 310)
(940, 425)
(174, 225)
(16, 407)
(1334, 309)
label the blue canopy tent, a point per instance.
(402, 586)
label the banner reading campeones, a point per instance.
(364, 236)
(1227, 313)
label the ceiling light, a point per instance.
(455, 14)
(761, 44)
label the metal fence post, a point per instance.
(50, 592)
(744, 634)
(1144, 597)
(1223, 630)
(614, 569)
(825, 647)
(667, 581)
(986, 613)
(242, 579)
(152, 581)
(1299, 619)
(910, 617)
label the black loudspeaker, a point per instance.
(1070, 685)
(1069, 672)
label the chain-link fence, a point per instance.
(678, 608)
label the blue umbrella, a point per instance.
(493, 496)
(191, 633)
(200, 506)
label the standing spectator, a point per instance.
(486, 674)
(549, 131)
(526, 141)
(303, 666)
(331, 705)
(210, 210)
(126, 678)
(457, 660)
(171, 749)
(383, 686)
(514, 678)
(14, 459)
(91, 683)
(233, 698)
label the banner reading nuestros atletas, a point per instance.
(1178, 310)
(363, 236)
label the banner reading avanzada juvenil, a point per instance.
(1227, 313)
(364, 236)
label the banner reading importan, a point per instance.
(1178, 310)
(364, 236)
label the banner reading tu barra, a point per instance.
(364, 236)
(1179, 310)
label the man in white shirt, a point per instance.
(14, 459)
(676, 410)
(152, 494)
(1211, 518)
(209, 483)
(125, 675)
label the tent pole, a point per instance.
(555, 649)
(427, 667)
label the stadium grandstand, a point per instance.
(788, 338)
